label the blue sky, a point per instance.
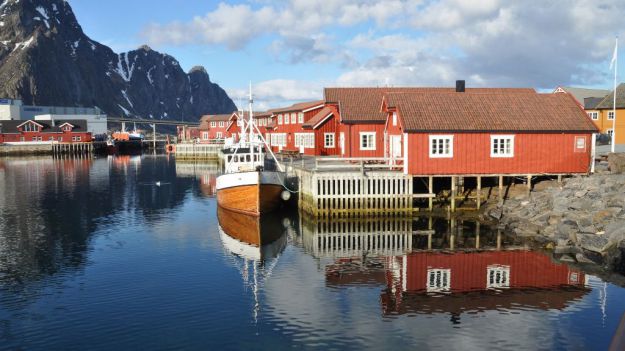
(290, 49)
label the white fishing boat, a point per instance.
(247, 185)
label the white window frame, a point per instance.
(498, 139)
(594, 115)
(577, 146)
(394, 119)
(280, 119)
(438, 280)
(219, 135)
(610, 113)
(437, 139)
(78, 138)
(213, 124)
(373, 141)
(328, 143)
(221, 124)
(497, 276)
(307, 140)
(204, 135)
(278, 139)
(293, 118)
(300, 117)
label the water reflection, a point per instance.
(50, 208)
(206, 173)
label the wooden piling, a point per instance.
(479, 192)
(430, 191)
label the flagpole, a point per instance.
(614, 106)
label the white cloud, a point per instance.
(278, 93)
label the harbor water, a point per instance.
(127, 253)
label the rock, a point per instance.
(496, 213)
(580, 193)
(615, 231)
(592, 242)
(616, 162)
(583, 259)
(601, 216)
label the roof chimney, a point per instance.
(460, 86)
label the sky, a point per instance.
(291, 49)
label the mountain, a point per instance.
(46, 59)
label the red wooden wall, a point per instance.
(533, 154)
(352, 139)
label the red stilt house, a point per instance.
(489, 133)
(325, 126)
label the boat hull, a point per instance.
(250, 193)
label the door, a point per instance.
(395, 148)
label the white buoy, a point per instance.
(285, 195)
(158, 183)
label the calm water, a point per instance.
(95, 256)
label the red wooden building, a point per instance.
(512, 277)
(488, 133)
(362, 123)
(214, 127)
(325, 126)
(288, 133)
(70, 131)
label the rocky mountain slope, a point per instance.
(46, 59)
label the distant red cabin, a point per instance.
(288, 133)
(71, 131)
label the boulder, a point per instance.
(616, 162)
(595, 243)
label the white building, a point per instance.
(11, 109)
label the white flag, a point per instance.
(614, 55)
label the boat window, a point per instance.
(248, 158)
(229, 158)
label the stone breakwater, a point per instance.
(582, 219)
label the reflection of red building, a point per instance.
(208, 184)
(508, 277)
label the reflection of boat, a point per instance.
(251, 237)
(246, 185)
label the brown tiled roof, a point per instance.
(440, 111)
(319, 116)
(363, 104)
(298, 107)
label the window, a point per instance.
(51, 138)
(73, 138)
(293, 118)
(205, 135)
(30, 127)
(78, 138)
(439, 280)
(394, 119)
(213, 124)
(580, 143)
(497, 276)
(501, 145)
(300, 117)
(219, 135)
(367, 141)
(441, 146)
(610, 115)
(60, 138)
(278, 139)
(593, 115)
(609, 132)
(279, 119)
(328, 140)
(221, 124)
(307, 140)
(34, 139)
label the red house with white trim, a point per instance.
(325, 126)
(288, 134)
(362, 122)
(71, 131)
(490, 133)
(214, 127)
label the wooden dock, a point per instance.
(67, 149)
(188, 151)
